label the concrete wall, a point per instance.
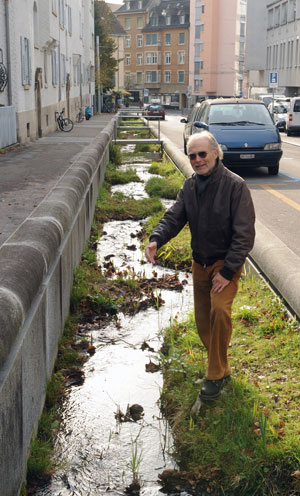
(36, 267)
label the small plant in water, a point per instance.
(134, 465)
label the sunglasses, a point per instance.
(192, 156)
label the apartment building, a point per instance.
(273, 34)
(51, 61)
(282, 40)
(217, 48)
(156, 52)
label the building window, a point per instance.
(277, 16)
(154, 21)
(197, 68)
(168, 20)
(202, 9)
(54, 7)
(61, 13)
(139, 40)
(140, 4)
(127, 41)
(292, 10)
(151, 39)
(198, 83)
(201, 45)
(35, 25)
(45, 67)
(127, 59)
(127, 22)
(284, 13)
(181, 19)
(25, 61)
(181, 55)
(139, 77)
(139, 22)
(181, 38)
(167, 76)
(168, 39)
(197, 32)
(180, 76)
(151, 58)
(139, 59)
(54, 64)
(63, 71)
(127, 5)
(151, 76)
(69, 20)
(167, 57)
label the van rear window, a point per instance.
(297, 106)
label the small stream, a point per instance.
(94, 448)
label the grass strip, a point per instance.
(247, 441)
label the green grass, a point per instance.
(163, 168)
(139, 147)
(115, 154)
(114, 176)
(118, 206)
(246, 442)
(165, 187)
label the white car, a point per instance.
(279, 111)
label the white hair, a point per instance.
(212, 140)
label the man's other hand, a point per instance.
(151, 252)
(219, 283)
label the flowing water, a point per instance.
(97, 452)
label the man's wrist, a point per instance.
(227, 273)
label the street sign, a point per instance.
(273, 79)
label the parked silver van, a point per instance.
(293, 116)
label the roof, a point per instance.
(226, 101)
(134, 6)
(167, 15)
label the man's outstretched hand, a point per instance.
(151, 252)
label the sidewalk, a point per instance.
(29, 173)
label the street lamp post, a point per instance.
(98, 71)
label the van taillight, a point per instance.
(290, 117)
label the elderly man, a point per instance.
(218, 207)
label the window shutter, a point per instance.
(29, 62)
(22, 61)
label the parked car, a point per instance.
(279, 112)
(244, 129)
(156, 110)
(293, 116)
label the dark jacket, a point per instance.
(221, 220)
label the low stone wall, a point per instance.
(36, 268)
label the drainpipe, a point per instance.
(7, 33)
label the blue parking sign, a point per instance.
(273, 79)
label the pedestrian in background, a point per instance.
(218, 207)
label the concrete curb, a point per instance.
(36, 273)
(272, 258)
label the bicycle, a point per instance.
(64, 123)
(80, 116)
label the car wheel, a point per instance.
(273, 170)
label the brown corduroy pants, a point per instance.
(213, 316)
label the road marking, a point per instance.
(282, 197)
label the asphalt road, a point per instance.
(276, 198)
